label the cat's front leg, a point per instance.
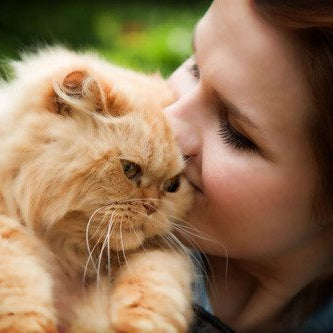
(152, 293)
(25, 287)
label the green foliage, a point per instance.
(145, 35)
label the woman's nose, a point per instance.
(187, 132)
(181, 80)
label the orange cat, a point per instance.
(90, 186)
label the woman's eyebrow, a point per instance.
(234, 111)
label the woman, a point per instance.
(255, 119)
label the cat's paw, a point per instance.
(141, 320)
(26, 323)
(135, 316)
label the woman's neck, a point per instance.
(257, 291)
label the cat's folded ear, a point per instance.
(78, 91)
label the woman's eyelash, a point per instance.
(194, 70)
(237, 140)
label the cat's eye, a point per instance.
(172, 184)
(131, 170)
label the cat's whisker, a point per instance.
(194, 231)
(124, 201)
(137, 237)
(104, 245)
(188, 252)
(186, 234)
(143, 200)
(150, 217)
(107, 239)
(88, 244)
(112, 202)
(168, 243)
(203, 235)
(147, 198)
(197, 262)
(173, 225)
(201, 264)
(122, 242)
(180, 229)
(90, 257)
(190, 232)
(178, 243)
(100, 256)
(118, 253)
(98, 241)
(108, 247)
(162, 236)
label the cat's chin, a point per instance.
(127, 240)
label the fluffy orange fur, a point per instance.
(90, 187)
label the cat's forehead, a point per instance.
(133, 104)
(145, 138)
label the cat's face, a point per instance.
(98, 164)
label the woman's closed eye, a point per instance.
(234, 138)
(229, 118)
(229, 134)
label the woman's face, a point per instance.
(242, 124)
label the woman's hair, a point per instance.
(311, 22)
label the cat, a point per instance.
(91, 185)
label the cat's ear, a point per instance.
(79, 90)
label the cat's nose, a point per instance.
(150, 207)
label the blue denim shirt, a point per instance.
(199, 286)
(320, 322)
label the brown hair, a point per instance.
(311, 21)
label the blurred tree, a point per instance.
(145, 35)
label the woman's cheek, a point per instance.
(248, 206)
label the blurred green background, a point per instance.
(145, 35)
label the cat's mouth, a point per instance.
(124, 236)
(127, 239)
